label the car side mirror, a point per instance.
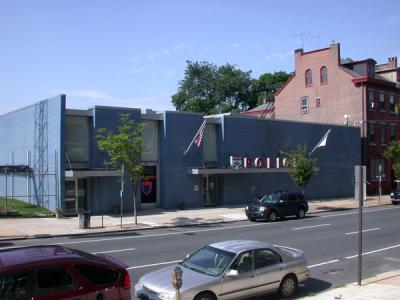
(232, 273)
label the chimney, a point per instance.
(392, 63)
(335, 52)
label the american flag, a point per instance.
(197, 138)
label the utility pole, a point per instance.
(121, 206)
(360, 172)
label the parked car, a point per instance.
(395, 196)
(276, 205)
(56, 272)
(230, 270)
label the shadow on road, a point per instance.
(6, 244)
(311, 287)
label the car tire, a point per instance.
(301, 213)
(205, 296)
(288, 286)
(272, 216)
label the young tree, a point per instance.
(303, 166)
(124, 150)
(392, 153)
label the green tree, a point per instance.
(267, 84)
(392, 153)
(303, 167)
(124, 150)
(210, 89)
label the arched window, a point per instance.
(324, 75)
(308, 78)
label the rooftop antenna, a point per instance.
(302, 35)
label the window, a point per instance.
(150, 140)
(378, 168)
(371, 100)
(77, 141)
(383, 134)
(52, 279)
(392, 133)
(98, 275)
(391, 103)
(210, 143)
(292, 197)
(308, 78)
(324, 75)
(244, 263)
(382, 101)
(304, 105)
(14, 286)
(317, 102)
(265, 257)
(372, 133)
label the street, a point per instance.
(328, 239)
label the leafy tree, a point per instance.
(124, 150)
(268, 83)
(392, 153)
(210, 89)
(303, 166)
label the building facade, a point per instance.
(331, 90)
(239, 158)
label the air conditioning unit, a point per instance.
(304, 111)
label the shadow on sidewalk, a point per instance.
(6, 244)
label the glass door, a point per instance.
(210, 190)
(70, 197)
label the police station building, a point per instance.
(49, 156)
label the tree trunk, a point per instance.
(134, 186)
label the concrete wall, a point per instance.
(178, 130)
(20, 135)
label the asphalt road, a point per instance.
(328, 239)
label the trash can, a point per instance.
(84, 219)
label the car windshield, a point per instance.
(271, 198)
(209, 260)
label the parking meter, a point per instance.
(177, 281)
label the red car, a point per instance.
(56, 272)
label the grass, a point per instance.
(18, 208)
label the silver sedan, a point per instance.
(229, 270)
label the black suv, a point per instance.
(277, 205)
(395, 196)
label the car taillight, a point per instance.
(127, 281)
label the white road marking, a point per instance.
(374, 251)
(314, 226)
(366, 230)
(156, 264)
(158, 234)
(324, 263)
(111, 251)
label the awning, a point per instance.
(91, 173)
(217, 171)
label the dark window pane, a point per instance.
(264, 258)
(14, 286)
(244, 263)
(53, 279)
(98, 275)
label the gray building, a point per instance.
(60, 165)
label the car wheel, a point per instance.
(301, 213)
(288, 286)
(205, 296)
(272, 216)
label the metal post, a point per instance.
(380, 183)
(102, 221)
(360, 205)
(6, 193)
(122, 192)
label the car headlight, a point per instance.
(247, 207)
(166, 296)
(262, 208)
(392, 194)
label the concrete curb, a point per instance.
(45, 236)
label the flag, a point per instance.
(322, 142)
(197, 138)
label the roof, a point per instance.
(237, 246)
(262, 107)
(19, 256)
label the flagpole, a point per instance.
(191, 143)
(319, 143)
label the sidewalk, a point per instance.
(13, 228)
(385, 286)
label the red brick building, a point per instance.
(329, 89)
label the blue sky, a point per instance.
(133, 53)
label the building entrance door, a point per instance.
(75, 196)
(148, 186)
(210, 190)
